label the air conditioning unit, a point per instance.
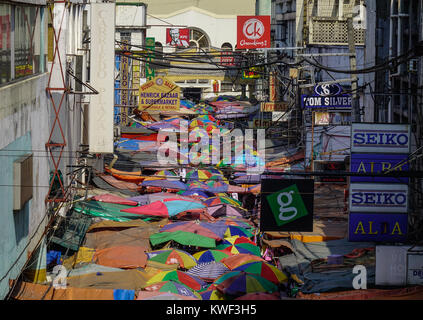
(22, 181)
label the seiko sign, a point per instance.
(325, 90)
(382, 198)
(380, 138)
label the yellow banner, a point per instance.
(159, 94)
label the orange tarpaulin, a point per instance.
(32, 291)
(125, 257)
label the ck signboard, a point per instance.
(253, 32)
(287, 205)
(380, 138)
(382, 198)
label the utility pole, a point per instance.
(356, 117)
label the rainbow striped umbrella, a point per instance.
(237, 231)
(210, 255)
(237, 240)
(237, 283)
(212, 201)
(212, 295)
(239, 248)
(173, 256)
(173, 287)
(264, 270)
(192, 282)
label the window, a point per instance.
(5, 49)
(20, 41)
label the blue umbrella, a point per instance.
(193, 192)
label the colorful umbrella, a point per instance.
(234, 221)
(166, 208)
(264, 270)
(239, 259)
(210, 185)
(183, 238)
(179, 276)
(165, 183)
(239, 248)
(212, 201)
(156, 295)
(208, 271)
(173, 256)
(210, 255)
(212, 295)
(237, 240)
(173, 287)
(110, 198)
(237, 231)
(204, 175)
(193, 227)
(194, 193)
(237, 283)
(225, 209)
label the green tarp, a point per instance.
(110, 211)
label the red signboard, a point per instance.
(227, 58)
(253, 32)
(177, 37)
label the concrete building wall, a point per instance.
(24, 114)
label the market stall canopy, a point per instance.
(173, 287)
(173, 256)
(165, 208)
(192, 282)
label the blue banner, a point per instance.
(377, 227)
(378, 163)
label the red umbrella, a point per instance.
(110, 198)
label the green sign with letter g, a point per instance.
(287, 205)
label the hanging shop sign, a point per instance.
(273, 106)
(380, 138)
(124, 85)
(150, 45)
(328, 96)
(287, 205)
(333, 166)
(177, 37)
(343, 101)
(331, 118)
(159, 94)
(377, 227)
(253, 32)
(378, 163)
(252, 73)
(381, 198)
(227, 58)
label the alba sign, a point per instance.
(253, 32)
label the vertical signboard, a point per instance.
(100, 131)
(150, 45)
(287, 205)
(378, 205)
(124, 85)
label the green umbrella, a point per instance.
(184, 238)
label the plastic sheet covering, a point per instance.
(299, 263)
(110, 211)
(126, 279)
(137, 236)
(84, 255)
(91, 268)
(124, 294)
(126, 257)
(32, 291)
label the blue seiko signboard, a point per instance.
(378, 163)
(382, 198)
(327, 96)
(377, 227)
(380, 138)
